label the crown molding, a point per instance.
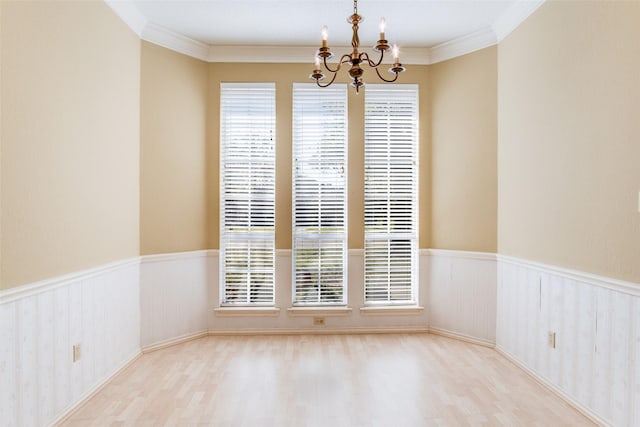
(463, 45)
(295, 54)
(513, 17)
(477, 40)
(162, 37)
(489, 36)
(129, 14)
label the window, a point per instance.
(247, 193)
(319, 205)
(391, 213)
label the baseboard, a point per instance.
(554, 389)
(322, 331)
(461, 337)
(68, 413)
(174, 341)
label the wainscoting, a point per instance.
(462, 295)
(40, 323)
(596, 360)
(174, 297)
(180, 298)
(120, 310)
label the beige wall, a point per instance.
(464, 143)
(173, 152)
(284, 75)
(569, 138)
(69, 139)
(110, 150)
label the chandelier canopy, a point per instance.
(355, 58)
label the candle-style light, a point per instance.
(355, 58)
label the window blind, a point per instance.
(391, 148)
(247, 193)
(319, 194)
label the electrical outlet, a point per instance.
(318, 321)
(76, 352)
(551, 339)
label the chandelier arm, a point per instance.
(385, 80)
(355, 58)
(345, 59)
(342, 61)
(330, 82)
(364, 56)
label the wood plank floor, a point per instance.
(325, 380)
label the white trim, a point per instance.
(461, 337)
(355, 252)
(462, 45)
(129, 14)
(177, 42)
(283, 253)
(514, 16)
(630, 288)
(247, 311)
(174, 341)
(323, 331)
(86, 397)
(391, 310)
(319, 311)
(175, 256)
(485, 37)
(42, 286)
(487, 256)
(296, 54)
(555, 390)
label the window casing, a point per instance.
(391, 198)
(247, 193)
(319, 194)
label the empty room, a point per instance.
(300, 213)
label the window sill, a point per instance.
(391, 310)
(247, 311)
(319, 311)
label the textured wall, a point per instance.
(173, 152)
(569, 138)
(464, 143)
(69, 138)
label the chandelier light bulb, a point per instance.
(396, 53)
(325, 35)
(383, 24)
(317, 63)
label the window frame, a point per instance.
(339, 91)
(249, 237)
(412, 234)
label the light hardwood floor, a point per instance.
(325, 380)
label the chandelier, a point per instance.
(355, 58)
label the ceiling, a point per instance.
(427, 25)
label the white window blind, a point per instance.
(247, 193)
(319, 205)
(391, 200)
